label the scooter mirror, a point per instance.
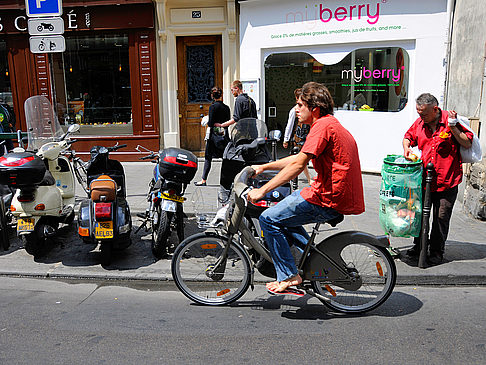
(73, 128)
(275, 134)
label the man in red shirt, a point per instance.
(337, 189)
(439, 136)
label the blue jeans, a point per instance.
(283, 222)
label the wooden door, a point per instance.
(199, 68)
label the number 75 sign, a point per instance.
(40, 8)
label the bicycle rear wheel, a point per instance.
(195, 273)
(377, 271)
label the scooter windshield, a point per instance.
(247, 130)
(42, 123)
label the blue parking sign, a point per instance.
(38, 8)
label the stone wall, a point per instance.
(466, 92)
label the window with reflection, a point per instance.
(368, 79)
(5, 87)
(93, 84)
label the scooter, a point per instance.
(174, 170)
(44, 179)
(104, 217)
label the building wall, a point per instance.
(173, 21)
(465, 92)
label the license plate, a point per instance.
(172, 197)
(169, 206)
(104, 230)
(25, 224)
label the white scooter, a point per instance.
(43, 177)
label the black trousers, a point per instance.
(442, 205)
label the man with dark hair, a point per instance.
(439, 136)
(337, 189)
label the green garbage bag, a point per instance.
(401, 196)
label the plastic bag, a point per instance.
(474, 153)
(400, 210)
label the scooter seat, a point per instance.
(103, 189)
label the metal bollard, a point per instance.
(426, 216)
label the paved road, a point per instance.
(465, 249)
(72, 322)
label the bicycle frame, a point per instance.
(321, 262)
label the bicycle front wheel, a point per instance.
(81, 174)
(206, 277)
(377, 272)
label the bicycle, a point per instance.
(350, 272)
(80, 169)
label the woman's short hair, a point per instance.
(316, 95)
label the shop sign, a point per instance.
(43, 8)
(50, 44)
(46, 26)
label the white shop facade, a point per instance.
(375, 57)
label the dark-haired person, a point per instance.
(337, 190)
(245, 107)
(219, 112)
(439, 135)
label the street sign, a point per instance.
(45, 26)
(41, 8)
(48, 44)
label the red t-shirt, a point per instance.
(338, 184)
(440, 148)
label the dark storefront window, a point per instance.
(96, 92)
(369, 79)
(5, 88)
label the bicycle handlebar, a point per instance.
(114, 148)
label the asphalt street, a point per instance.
(96, 322)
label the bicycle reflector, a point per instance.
(103, 211)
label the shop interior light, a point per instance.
(119, 67)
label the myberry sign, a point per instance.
(40, 8)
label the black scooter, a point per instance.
(104, 217)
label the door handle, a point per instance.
(200, 106)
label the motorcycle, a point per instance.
(174, 170)
(42, 176)
(104, 217)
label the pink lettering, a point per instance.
(359, 10)
(328, 11)
(376, 16)
(366, 73)
(340, 11)
(376, 74)
(351, 11)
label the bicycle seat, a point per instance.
(335, 221)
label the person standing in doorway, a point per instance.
(439, 136)
(218, 138)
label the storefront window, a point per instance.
(93, 86)
(5, 88)
(370, 79)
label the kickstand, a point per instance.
(144, 224)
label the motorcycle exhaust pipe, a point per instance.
(46, 231)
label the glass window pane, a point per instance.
(5, 87)
(369, 79)
(200, 73)
(97, 83)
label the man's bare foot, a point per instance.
(280, 286)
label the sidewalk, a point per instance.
(465, 257)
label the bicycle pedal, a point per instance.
(289, 291)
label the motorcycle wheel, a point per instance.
(106, 251)
(4, 236)
(160, 233)
(33, 245)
